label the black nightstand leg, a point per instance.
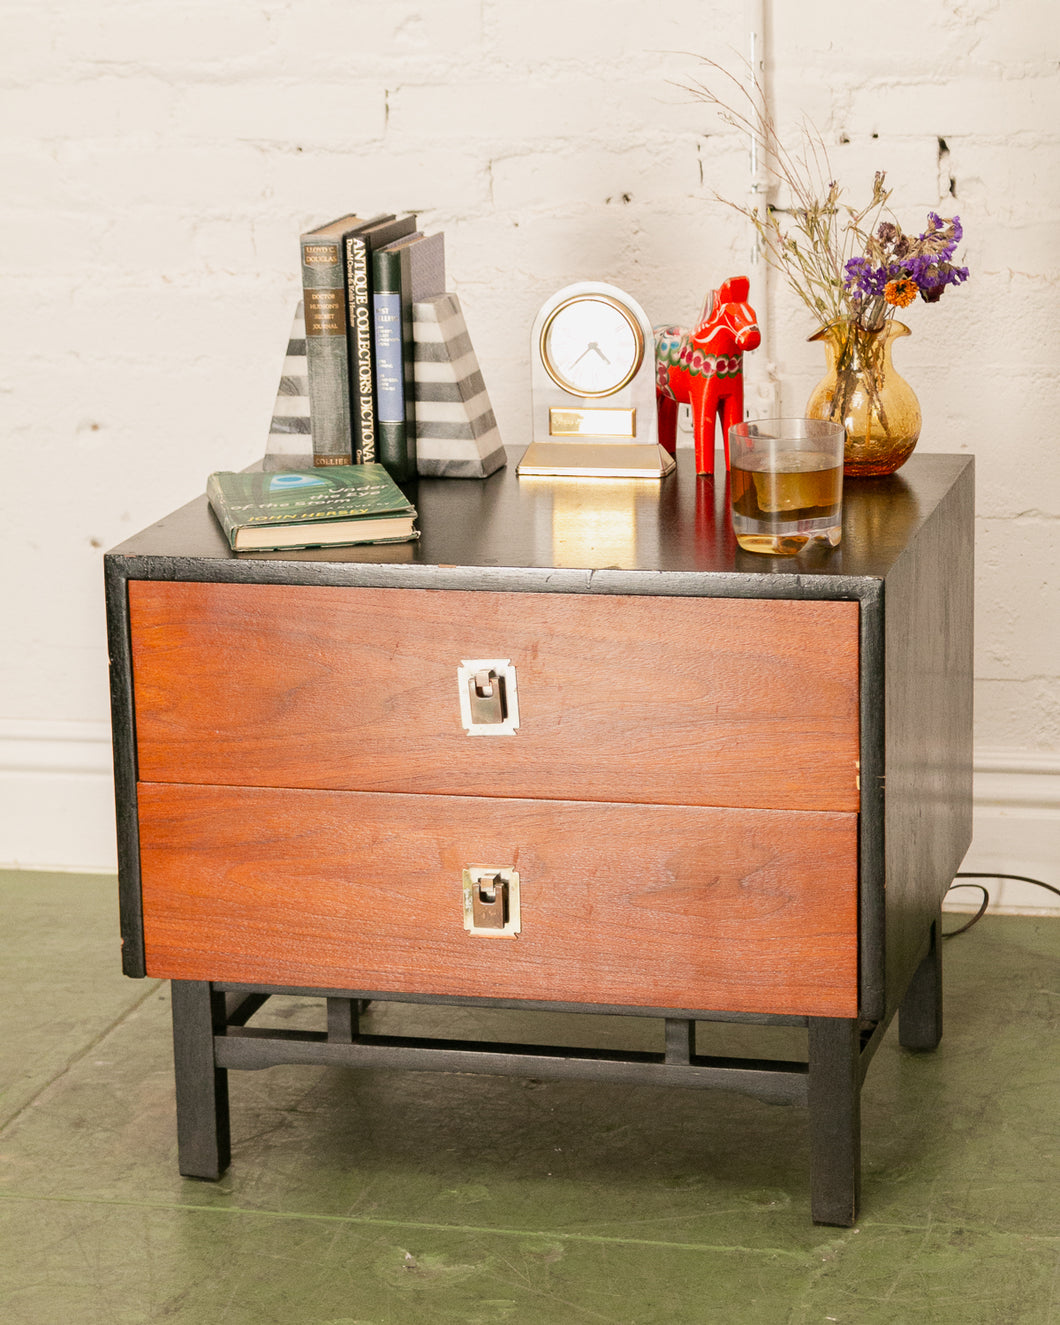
(203, 1144)
(835, 1120)
(920, 1012)
(344, 1016)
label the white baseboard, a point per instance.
(56, 796)
(1017, 831)
(57, 812)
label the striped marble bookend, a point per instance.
(290, 443)
(456, 433)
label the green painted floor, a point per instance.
(407, 1199)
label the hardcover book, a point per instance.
(324, 298)
(299, 508)
(408, 270)
(359, 246)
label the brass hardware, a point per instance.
(489, 704)
(491, 901)
(486, 691)
(587, 459)
(592, 422)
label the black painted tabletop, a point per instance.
(572, 535)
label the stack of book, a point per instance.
(360, 279)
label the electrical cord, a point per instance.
(1018, 878)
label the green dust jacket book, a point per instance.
(298, 508)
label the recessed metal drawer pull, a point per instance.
(486, 691)
(491, 901)
(489, 705)
(489, 898)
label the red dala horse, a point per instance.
(704, 369)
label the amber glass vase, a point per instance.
(862, 391)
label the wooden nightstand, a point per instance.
(712, 786)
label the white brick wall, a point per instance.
(160, 160)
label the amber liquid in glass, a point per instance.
(782, 502)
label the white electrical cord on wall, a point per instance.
(761, 394)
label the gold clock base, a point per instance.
(596, 460)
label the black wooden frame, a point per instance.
(211, 1036)
(906, 558)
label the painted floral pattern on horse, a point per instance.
(703, 368)
(674, 347)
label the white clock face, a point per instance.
(591, 346)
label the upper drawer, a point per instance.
(697, 701)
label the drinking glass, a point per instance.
(786, 484)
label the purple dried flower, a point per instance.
(936, 277)
(863, 279)
(892, 257)
(941, 237)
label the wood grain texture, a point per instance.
(928, 680)
(664, 700)
(660, 906)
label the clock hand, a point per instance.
(591, 346)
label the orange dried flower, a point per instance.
(900, 293)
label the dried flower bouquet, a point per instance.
(853, 268)
(846, 264)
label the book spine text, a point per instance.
(324, 295)
(389, 365)
(361, 370)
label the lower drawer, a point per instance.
(635, 905)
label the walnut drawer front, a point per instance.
(649, 906)
(664, 700)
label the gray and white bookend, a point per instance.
(456, 433)
(290, 444)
